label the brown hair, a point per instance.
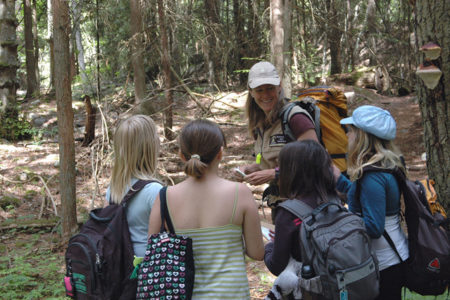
(256, 116)
(306, 170)
(203, 138)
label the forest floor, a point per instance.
(30, 184)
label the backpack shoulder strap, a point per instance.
(297, 207)
(293, 108)
(165, 217)
(400, 177)
(284, 116)
(139, 185)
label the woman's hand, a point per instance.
(260, 177)
(247, 169)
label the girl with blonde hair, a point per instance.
(219, 215)
(136, 149)
(370, 141)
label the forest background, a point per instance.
(70, 70)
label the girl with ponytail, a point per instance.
(219, 215)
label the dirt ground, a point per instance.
(29, 169)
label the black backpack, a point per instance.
(428, 265)
(99, 259)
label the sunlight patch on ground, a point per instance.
(9, 148)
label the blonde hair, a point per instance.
(200, 142)
(368, 149)
(136, 149)
(256, 116)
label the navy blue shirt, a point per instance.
(380, 197)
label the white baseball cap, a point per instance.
(374, 120)
(263, 73)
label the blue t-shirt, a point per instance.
(138, 214)
(380, 197)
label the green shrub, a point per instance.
(31, 276)
(13, 127)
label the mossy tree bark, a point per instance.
(8, 64)
(431, 25)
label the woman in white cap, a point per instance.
(377, 199)
(265, 101)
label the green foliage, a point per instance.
(9, 203)
(30, 194)
(13, 127)
(31, 275)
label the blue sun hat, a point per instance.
(374, 120)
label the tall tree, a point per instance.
(240, 39)
(65, 116)
(137, 50)
(36, 43)
(31, 62)
(76, 14)
(280, 40)
(165, 61)
(8, 60)
(431, 25)
(212, 27)
(51, 45)
(334, 37)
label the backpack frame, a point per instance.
(309, 104)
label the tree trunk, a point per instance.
(32, 84)
(277, 34)
(165, 61)
(280, 21)
(76, 12)
(8, 60)
(36, 46)
(334, 38)
(349, 41)
(212, 26)
(137, 50)
(366, 27)
(287, 53)
(431, 25)
(51, 83)
(240, 39)
(65, 117)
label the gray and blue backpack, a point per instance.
(337, 255)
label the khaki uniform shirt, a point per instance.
(270, 141)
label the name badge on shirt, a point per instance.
(277, 139)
